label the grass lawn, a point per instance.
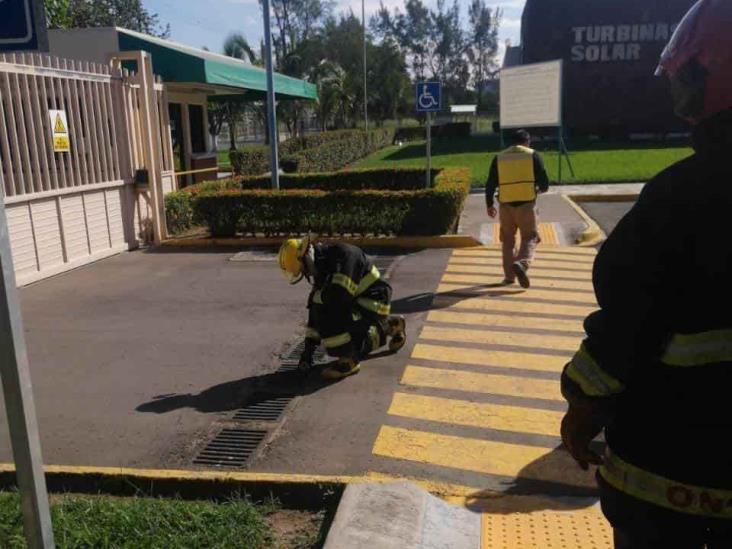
(107, 522)
(593, 162)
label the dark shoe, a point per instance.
(520, 271)
(508, 282)
(397, 333)
(343, 367)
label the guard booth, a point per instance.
(190, 78)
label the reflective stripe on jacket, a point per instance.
(516, 177)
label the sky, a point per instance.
(200, 23)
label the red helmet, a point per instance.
(698, 59)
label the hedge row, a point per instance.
(314, 152)
(340, 212)
(418, 133)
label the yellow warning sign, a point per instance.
(59, 126)
(60, 129)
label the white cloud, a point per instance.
(510, 23)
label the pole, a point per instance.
(19, 405)
(559, 155)
(271, 104)
(365, 94)
(429, 149)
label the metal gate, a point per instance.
(69, 208)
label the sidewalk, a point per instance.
(599, 191)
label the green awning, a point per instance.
(183, 64)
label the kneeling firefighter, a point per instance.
(348, 306)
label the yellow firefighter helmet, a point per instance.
(290, 258)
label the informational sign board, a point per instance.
(531, 95)
(60, 129)
(428, 97)
(22, 25)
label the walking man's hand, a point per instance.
(492, 211)
(579, 428)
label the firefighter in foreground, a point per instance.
(656, 368)
(349, 304)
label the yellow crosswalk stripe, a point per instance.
(520, 294)
(480, 456)
(469, 276)
(563, 261)
(560, 250)
(506, 321)
(472, 414)
(513, 305)
(582, 268)
(539, 274)
(491, 384)
(514, 339)
(483, 357)
(544, 284)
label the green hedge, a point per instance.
(350, 145)
(315, 152)
(419, 133)
(386, 179)
(339, 212)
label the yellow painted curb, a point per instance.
(593, 234)
(437, 242)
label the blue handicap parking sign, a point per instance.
(429, 97)
(18, 25)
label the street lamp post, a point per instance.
(271, 105)
(365, 94)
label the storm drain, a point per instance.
(263, 408)
(231, 448)
(383, 263)
(292, 356)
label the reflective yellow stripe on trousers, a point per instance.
(372, 305)
(337, 340)
(699, 349)
(678, 496)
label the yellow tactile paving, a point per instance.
(505, 321)
(472, 414)
(547, 232)
(513, 339)
(485, 357)
(493, 384)
(480, 456)
(550, 294)
(548, 529)
(512, 305)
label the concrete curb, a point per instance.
(437, 242)
(401, 515)
(293, 491)
(593, 234)
(624, 197)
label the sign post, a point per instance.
(21, 411)
(271, 100)
(429, 100)
(23, 25)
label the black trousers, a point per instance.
(641, 525)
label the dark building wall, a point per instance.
(610, 50)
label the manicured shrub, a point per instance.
(178, 212)
(433, 211)
(250, 161)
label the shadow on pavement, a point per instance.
(420, 303)
(232, 395)
(529, 493)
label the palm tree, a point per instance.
(333, 92)
(237, 46)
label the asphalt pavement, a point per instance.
(606, 214)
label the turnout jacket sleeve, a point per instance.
(633, 279)
(491, 183)
(542, 179)
(341, 281)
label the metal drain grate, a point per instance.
(230, 448)
(263, 408)
(292, 356)
(383, 263)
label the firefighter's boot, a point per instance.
(396, 330)
(306, 358)
(343, 367)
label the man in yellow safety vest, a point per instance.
(517, 173)
(655, 370)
